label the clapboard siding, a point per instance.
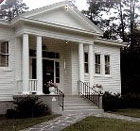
(113, 82)
(110, 83)
(7, 74)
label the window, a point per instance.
(57, 72)
(4, 54)
(97, 64)
(107, 65)
(86, 62)
(51, 55)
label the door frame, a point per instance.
(54, 60)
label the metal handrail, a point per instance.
(89, 93)
(60, 98)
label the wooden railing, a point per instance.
(33, 85)
(60, 98)
(90, 93)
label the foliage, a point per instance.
(111, 102)
(116, 17)
(119, 19)
(11, 114)
(28, 107)
(130, 63)
(11, 8)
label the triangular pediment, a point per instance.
(65, 14)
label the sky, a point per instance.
(81, 4)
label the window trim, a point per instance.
(100, 65)
(107, 75)
(5, 68)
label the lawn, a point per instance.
(18, 124)
(129, 112)
(103, 124)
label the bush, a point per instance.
(112, 102)
(130, 101)
(11, 114)
(28, 107)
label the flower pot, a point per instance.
(52, 90)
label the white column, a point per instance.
(81, 62)
(25, 63)
(91, 64)
(39, 66)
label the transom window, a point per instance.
(4, 54)
(45, 54)
(107, 65)
(86, 62)
(97, 64)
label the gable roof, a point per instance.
(83, 19)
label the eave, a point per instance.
(4, 23)
(111, 42)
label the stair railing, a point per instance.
(60, 98)
(90, 93)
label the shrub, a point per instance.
(130, 101)
(28, 107)
(11, 114)
(112, 102)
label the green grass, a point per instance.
(18, 124)
(103, 124)
(129, 112)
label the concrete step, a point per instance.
(77, 104)
(93, 111)
(79, 107)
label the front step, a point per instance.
(76, 104)
(93, 111)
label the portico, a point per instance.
(66, 60)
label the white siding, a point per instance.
(7, 74)
(110, 83)
(113, 82)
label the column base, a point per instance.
(25, 93)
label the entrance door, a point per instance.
(48, 74)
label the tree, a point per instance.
(116, 17)
(120, 19)
(11, 8)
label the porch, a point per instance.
(45, 59)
